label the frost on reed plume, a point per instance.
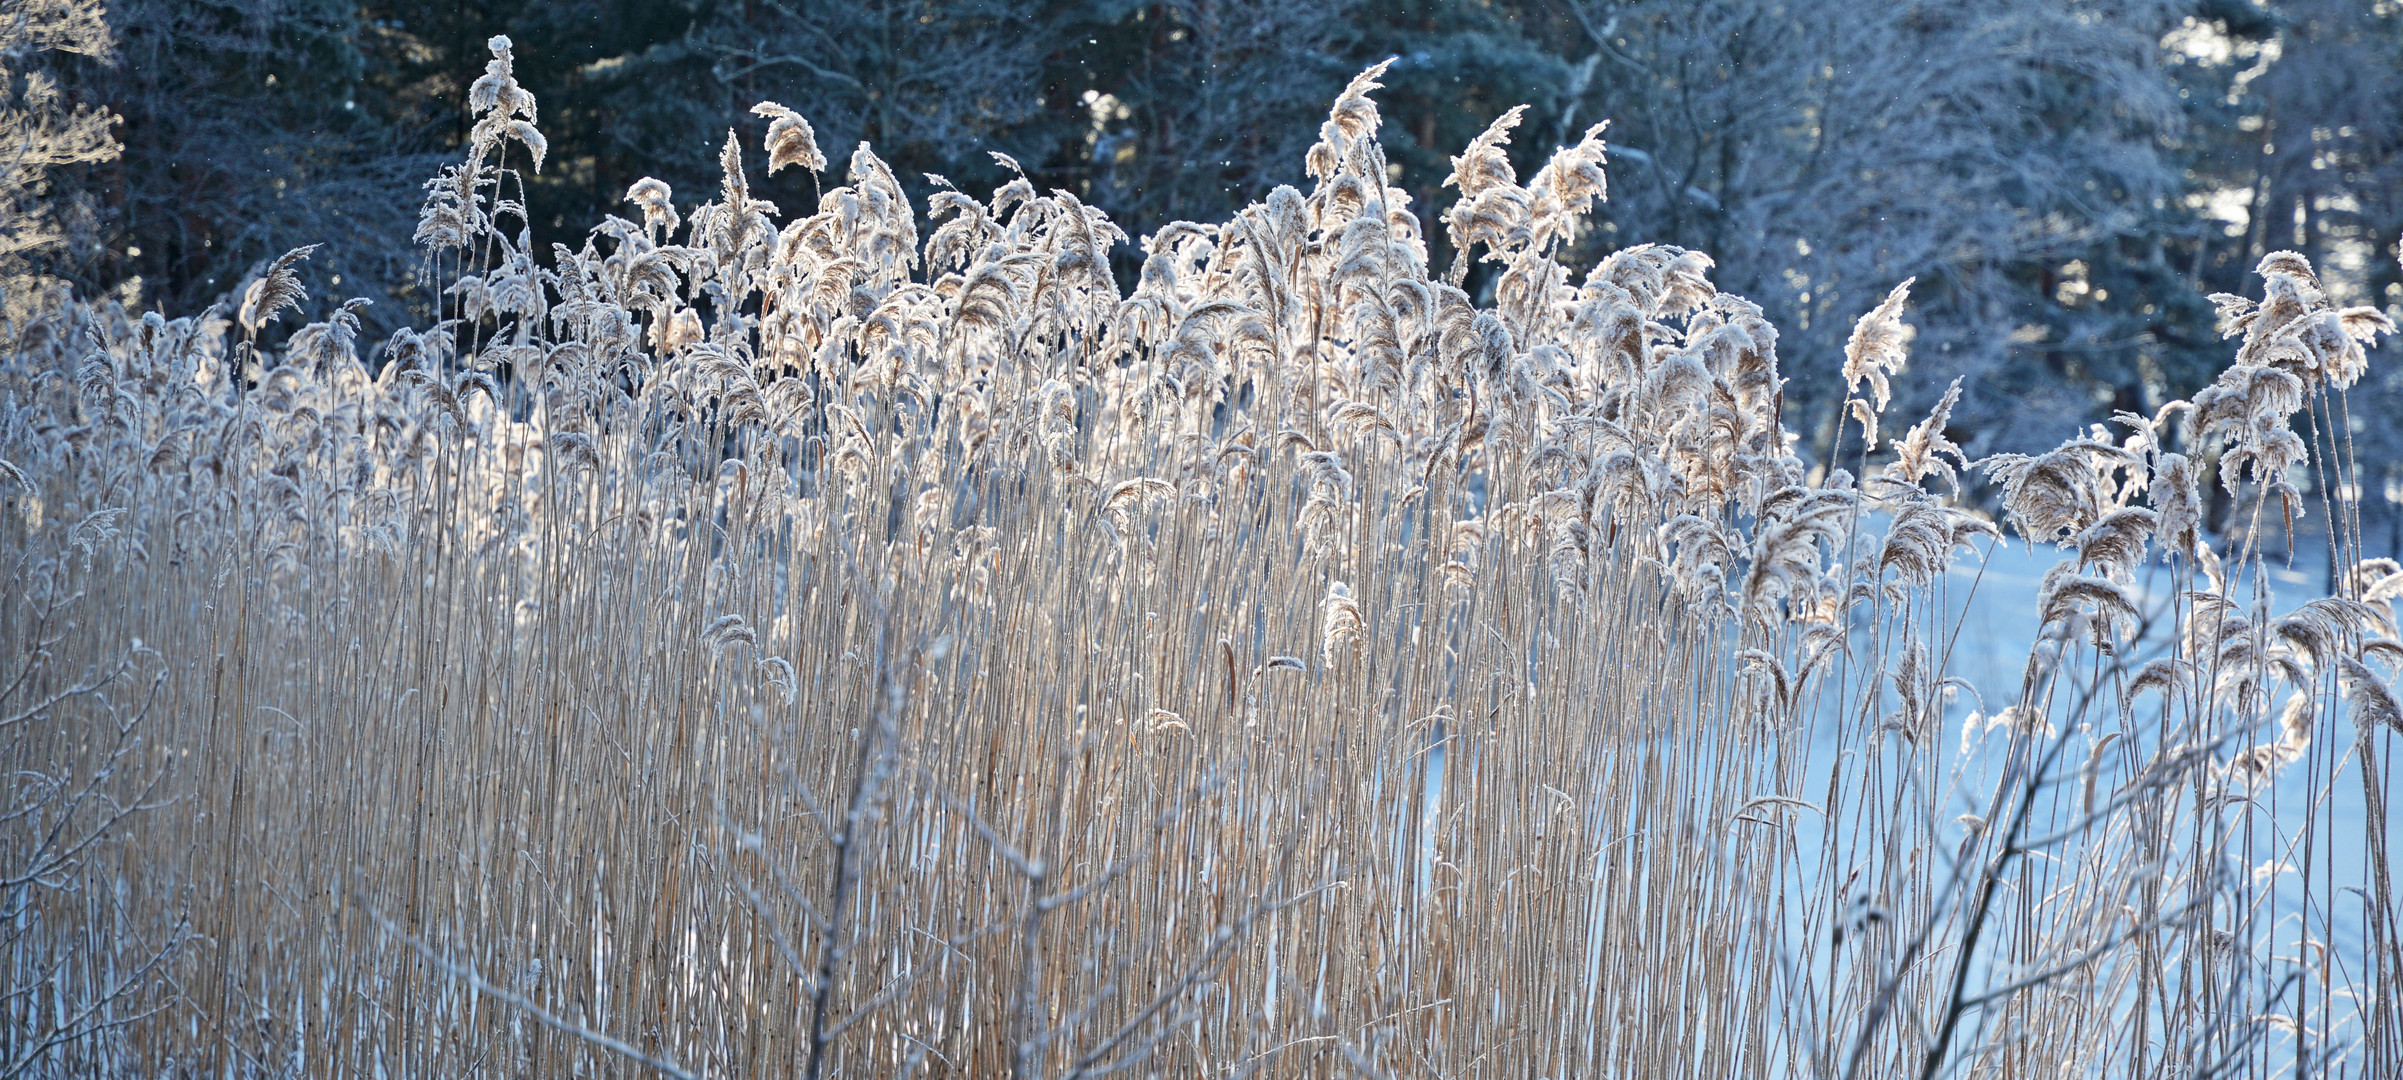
(856, 645)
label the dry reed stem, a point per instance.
(830, 653)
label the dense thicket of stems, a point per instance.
(752, 649)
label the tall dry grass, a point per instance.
(824, 649)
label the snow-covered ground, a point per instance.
(1996, 629)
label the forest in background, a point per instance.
(2067, 181)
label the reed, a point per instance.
(868, 644)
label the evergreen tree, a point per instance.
(44, 130)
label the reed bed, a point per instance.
(872, 645)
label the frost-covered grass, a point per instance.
(758, 646)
